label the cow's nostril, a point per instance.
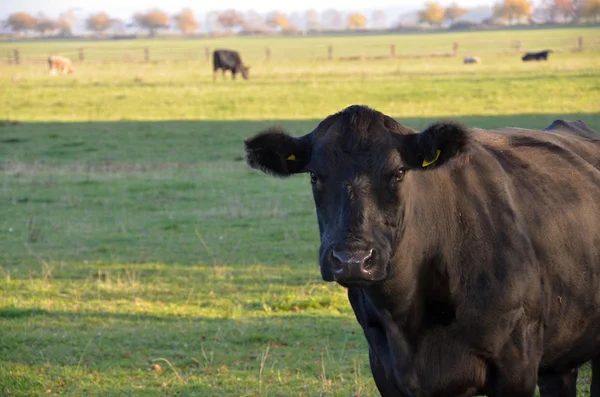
(368, 261)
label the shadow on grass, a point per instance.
(183, 142)
(88, 351)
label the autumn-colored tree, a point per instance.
(98, 22)
(379, 19)
(357, 21)
(152, 20)
(591, 10)
(433, 14)
(332, 19)
(454, 12)
(229, 19)
(186, 22)
(513, 10)
(20, 22)
(277, 19)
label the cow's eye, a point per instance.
(400, 174)
(313, 178)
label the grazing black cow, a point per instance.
(229, 60)
(536, 56)
(471, 257)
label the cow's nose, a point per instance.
(352, 265)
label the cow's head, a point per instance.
(362, 166)
(245, 71)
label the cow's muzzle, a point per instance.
(350, 265)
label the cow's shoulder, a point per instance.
(575, 127)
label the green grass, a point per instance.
(133, 234)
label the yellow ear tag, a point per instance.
(429, 162)
(291, 158)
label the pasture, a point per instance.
(140, 255)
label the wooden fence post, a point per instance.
(517, 45)
(81, 57)
(580, 43)
(330, 53)
(455, 49)
(393, 51)
(207, 54)
(17, 56)
(267, 53)
(146, 54)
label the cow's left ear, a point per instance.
(435, 145)
(275, 152)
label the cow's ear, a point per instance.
(435, 145)
(275, 152)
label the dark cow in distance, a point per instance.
(536, 56)
(471, 257)
(229, 60)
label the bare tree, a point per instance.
(44, 24)
(152, 20)
(332, 19)
(230, 19)
(255, 22)
(312, 20)
(379, 19)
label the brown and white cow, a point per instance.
(471, 256)
(57, 63)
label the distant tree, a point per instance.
(312, 19)
(454, 12)
(277, 19)
(513, 10)
(20, 22)
(591, 10)
(296, 21)
(553, 9)
(98, 23)
(212, 21)
(152, 20)
(44, 24)
(357, 21)
(186, 22)
(379, 19)
(433, 14)
(332, 19)
(230, 19)
(255, 22)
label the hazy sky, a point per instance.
(125, 8)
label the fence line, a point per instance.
(321, 52)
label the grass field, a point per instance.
(140, 256)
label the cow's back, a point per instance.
(553, 177)
(226, 59)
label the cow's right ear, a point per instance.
(275, 152)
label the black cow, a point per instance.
(471, 257)
(536, 56)
(229, 60)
